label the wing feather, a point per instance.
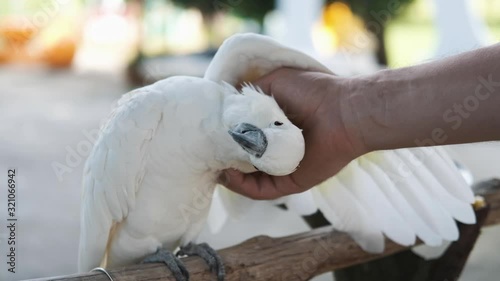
(364, 188)
(385, 184)
(438, 217)
(447, 173)
(301, 203)
(114, 170)
(459, 210)
(409, 186)
(347, 213)
(227, 204)
(217, 215)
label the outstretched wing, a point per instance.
(114, 171)
(402, 194)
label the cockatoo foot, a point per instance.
(173, 263)
(208, 254)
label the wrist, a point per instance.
(349, 96)
(385, 105)
(365, 111)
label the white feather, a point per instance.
(430, 252)
(393, 194)
(459, 210)
(234, 204)
(347, 213)
(444, 224)
(427, 208)
(301, 203)
(365, 189)
(447, 174)
(218, 215)
(110, 179)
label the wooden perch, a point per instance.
(490, 190)
(297, 257)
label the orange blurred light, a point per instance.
(15, 33)
(340, 28)
(60, 54)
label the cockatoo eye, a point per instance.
(278, 123)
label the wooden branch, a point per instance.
(490, 190)
(297, 257)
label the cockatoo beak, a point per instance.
(250, 138)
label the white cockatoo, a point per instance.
(149, 180)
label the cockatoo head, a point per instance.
(267, 139)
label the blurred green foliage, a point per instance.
(380, 10)
(255, 9)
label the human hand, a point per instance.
(313, 101)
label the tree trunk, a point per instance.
(381, 53)
(378, 29)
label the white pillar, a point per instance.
(459, 27)
(299, 16)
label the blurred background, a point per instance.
(64, 63)
(115, 35)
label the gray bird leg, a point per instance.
(208, 254)
(173, 263)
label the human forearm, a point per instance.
(455, 100)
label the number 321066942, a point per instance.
(11, 201)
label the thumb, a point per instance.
(230, 177)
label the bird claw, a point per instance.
(173, 263)
(208, 254)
